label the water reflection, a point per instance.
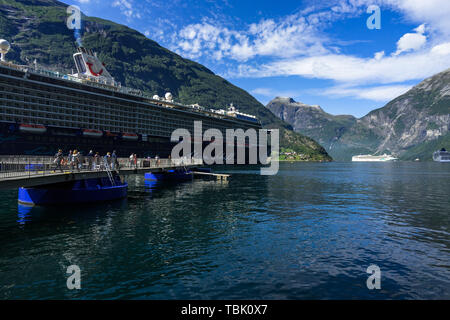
(27, 214)
(308, 232)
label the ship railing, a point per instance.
(27, 166)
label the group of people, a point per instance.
(93, 161)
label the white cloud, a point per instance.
(435, 13)
(126, 7)
(379, 55)
(270, 92)
(293, 35)
(420, 29)
(441, 49)
(377, 93)
(351, 69)
(262, 91)
(412, 41)
(265, 38)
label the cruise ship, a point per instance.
(42, 111)
(371, 158)
(441, 156)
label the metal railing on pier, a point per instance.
(23, 166)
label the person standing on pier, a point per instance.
(58, 159)
(131, 160)
(69, 157)
(114, 161)
(107, 160)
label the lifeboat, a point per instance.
(92, 133)
(130, 136)
(32, 128)
(110, 134)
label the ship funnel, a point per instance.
(88, 64)
(4, 48)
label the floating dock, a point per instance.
(209, 175)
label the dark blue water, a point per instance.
(309, 232)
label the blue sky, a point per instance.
(318, 52)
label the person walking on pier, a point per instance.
(76, 159)
(70, 159)
(58, 159)
(97, 160)
(90, 159)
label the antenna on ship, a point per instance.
(4, 48)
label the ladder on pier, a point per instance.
(109, 173)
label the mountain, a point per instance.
(411, 126)
(311, 121)
(37, 30)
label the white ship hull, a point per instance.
(370, 158)
(441, 156)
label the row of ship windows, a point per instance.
(65, 97)
(92, 117)
(79, 124)
(67, 121)
(30, 89)
(62, 97)
(57, 107)
(119, 109)
(72, 139)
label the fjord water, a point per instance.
(310, 232)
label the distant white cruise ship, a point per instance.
(441, 156)
(370, 158)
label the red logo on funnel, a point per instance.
(89, 64)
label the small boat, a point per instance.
(130, 136)
(81, 191)
(441, 156)
(206, 170)
(170, 175)
(92, 133)
(32, 128)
